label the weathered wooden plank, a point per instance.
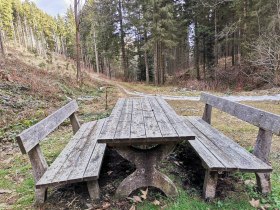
(81, 164)
(75, 123)
(163, 122)
(126, 111)
(93, 169)
(209, 160)
(151, 125)
(109, 128)
(66, 152)
(68, 165)
(177, 122)
(145, 122)
(171, 114)
(210, 184)
(207, 113)
(242, 158)
(257, 117)
(123, 124)
(33, 135)
(262, 151)
(93, 189)
(227, 162)
(137, 129)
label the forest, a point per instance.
(221, 43)
(140, 104)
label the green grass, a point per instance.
(16, 176)
(187, 201)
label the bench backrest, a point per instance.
(265, 120)
(32, 136)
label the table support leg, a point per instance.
(146, 174)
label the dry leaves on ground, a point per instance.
(2, 191)
(144, 194)
(156, 202)
(254, 203)
(132, 207)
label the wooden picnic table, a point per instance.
(144, 121)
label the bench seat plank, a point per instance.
(221, 161)
(59, 161)
(231, 152)
(71, 165)
(209, 160)
(85, 157)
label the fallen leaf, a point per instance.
(132, 207)
(5, 191)
(136, 199)
(249, 182)
(9, 78)
(144, 194)
(106, 205)
(163, 207)
(177, 163)
(255, 203)
(156, 202)
(265, 207)
(109, 172)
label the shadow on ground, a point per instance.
(185, 165)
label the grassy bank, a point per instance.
(30, 91)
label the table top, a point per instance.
(142, 121)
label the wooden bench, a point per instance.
(79, 161)
(219, 153)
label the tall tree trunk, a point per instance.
(159, 63)
(216, 38)
(226, 49)
(146, 59)
(156, 62)
(204, 58)
(95, 51)
(244, 27)
(233, 51)
(78, 45)
(1, 43)
(187, 52)
(197, 51)
(162, 67)
(124, 66)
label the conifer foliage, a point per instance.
(25, 24)
(150, 40)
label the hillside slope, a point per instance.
(31, 88)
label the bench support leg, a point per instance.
(210, 184)
(263, 182)
(146, 174)
(40, 195)
(262, 151)
(93, 189)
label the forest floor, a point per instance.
(31, 88)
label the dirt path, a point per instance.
(186, 98)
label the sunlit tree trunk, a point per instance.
(2, 44)
(146, 60)
(78, 45)
(124, 66)
(95, 51)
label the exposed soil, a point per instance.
(183, 163)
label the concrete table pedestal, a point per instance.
(146, 174)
